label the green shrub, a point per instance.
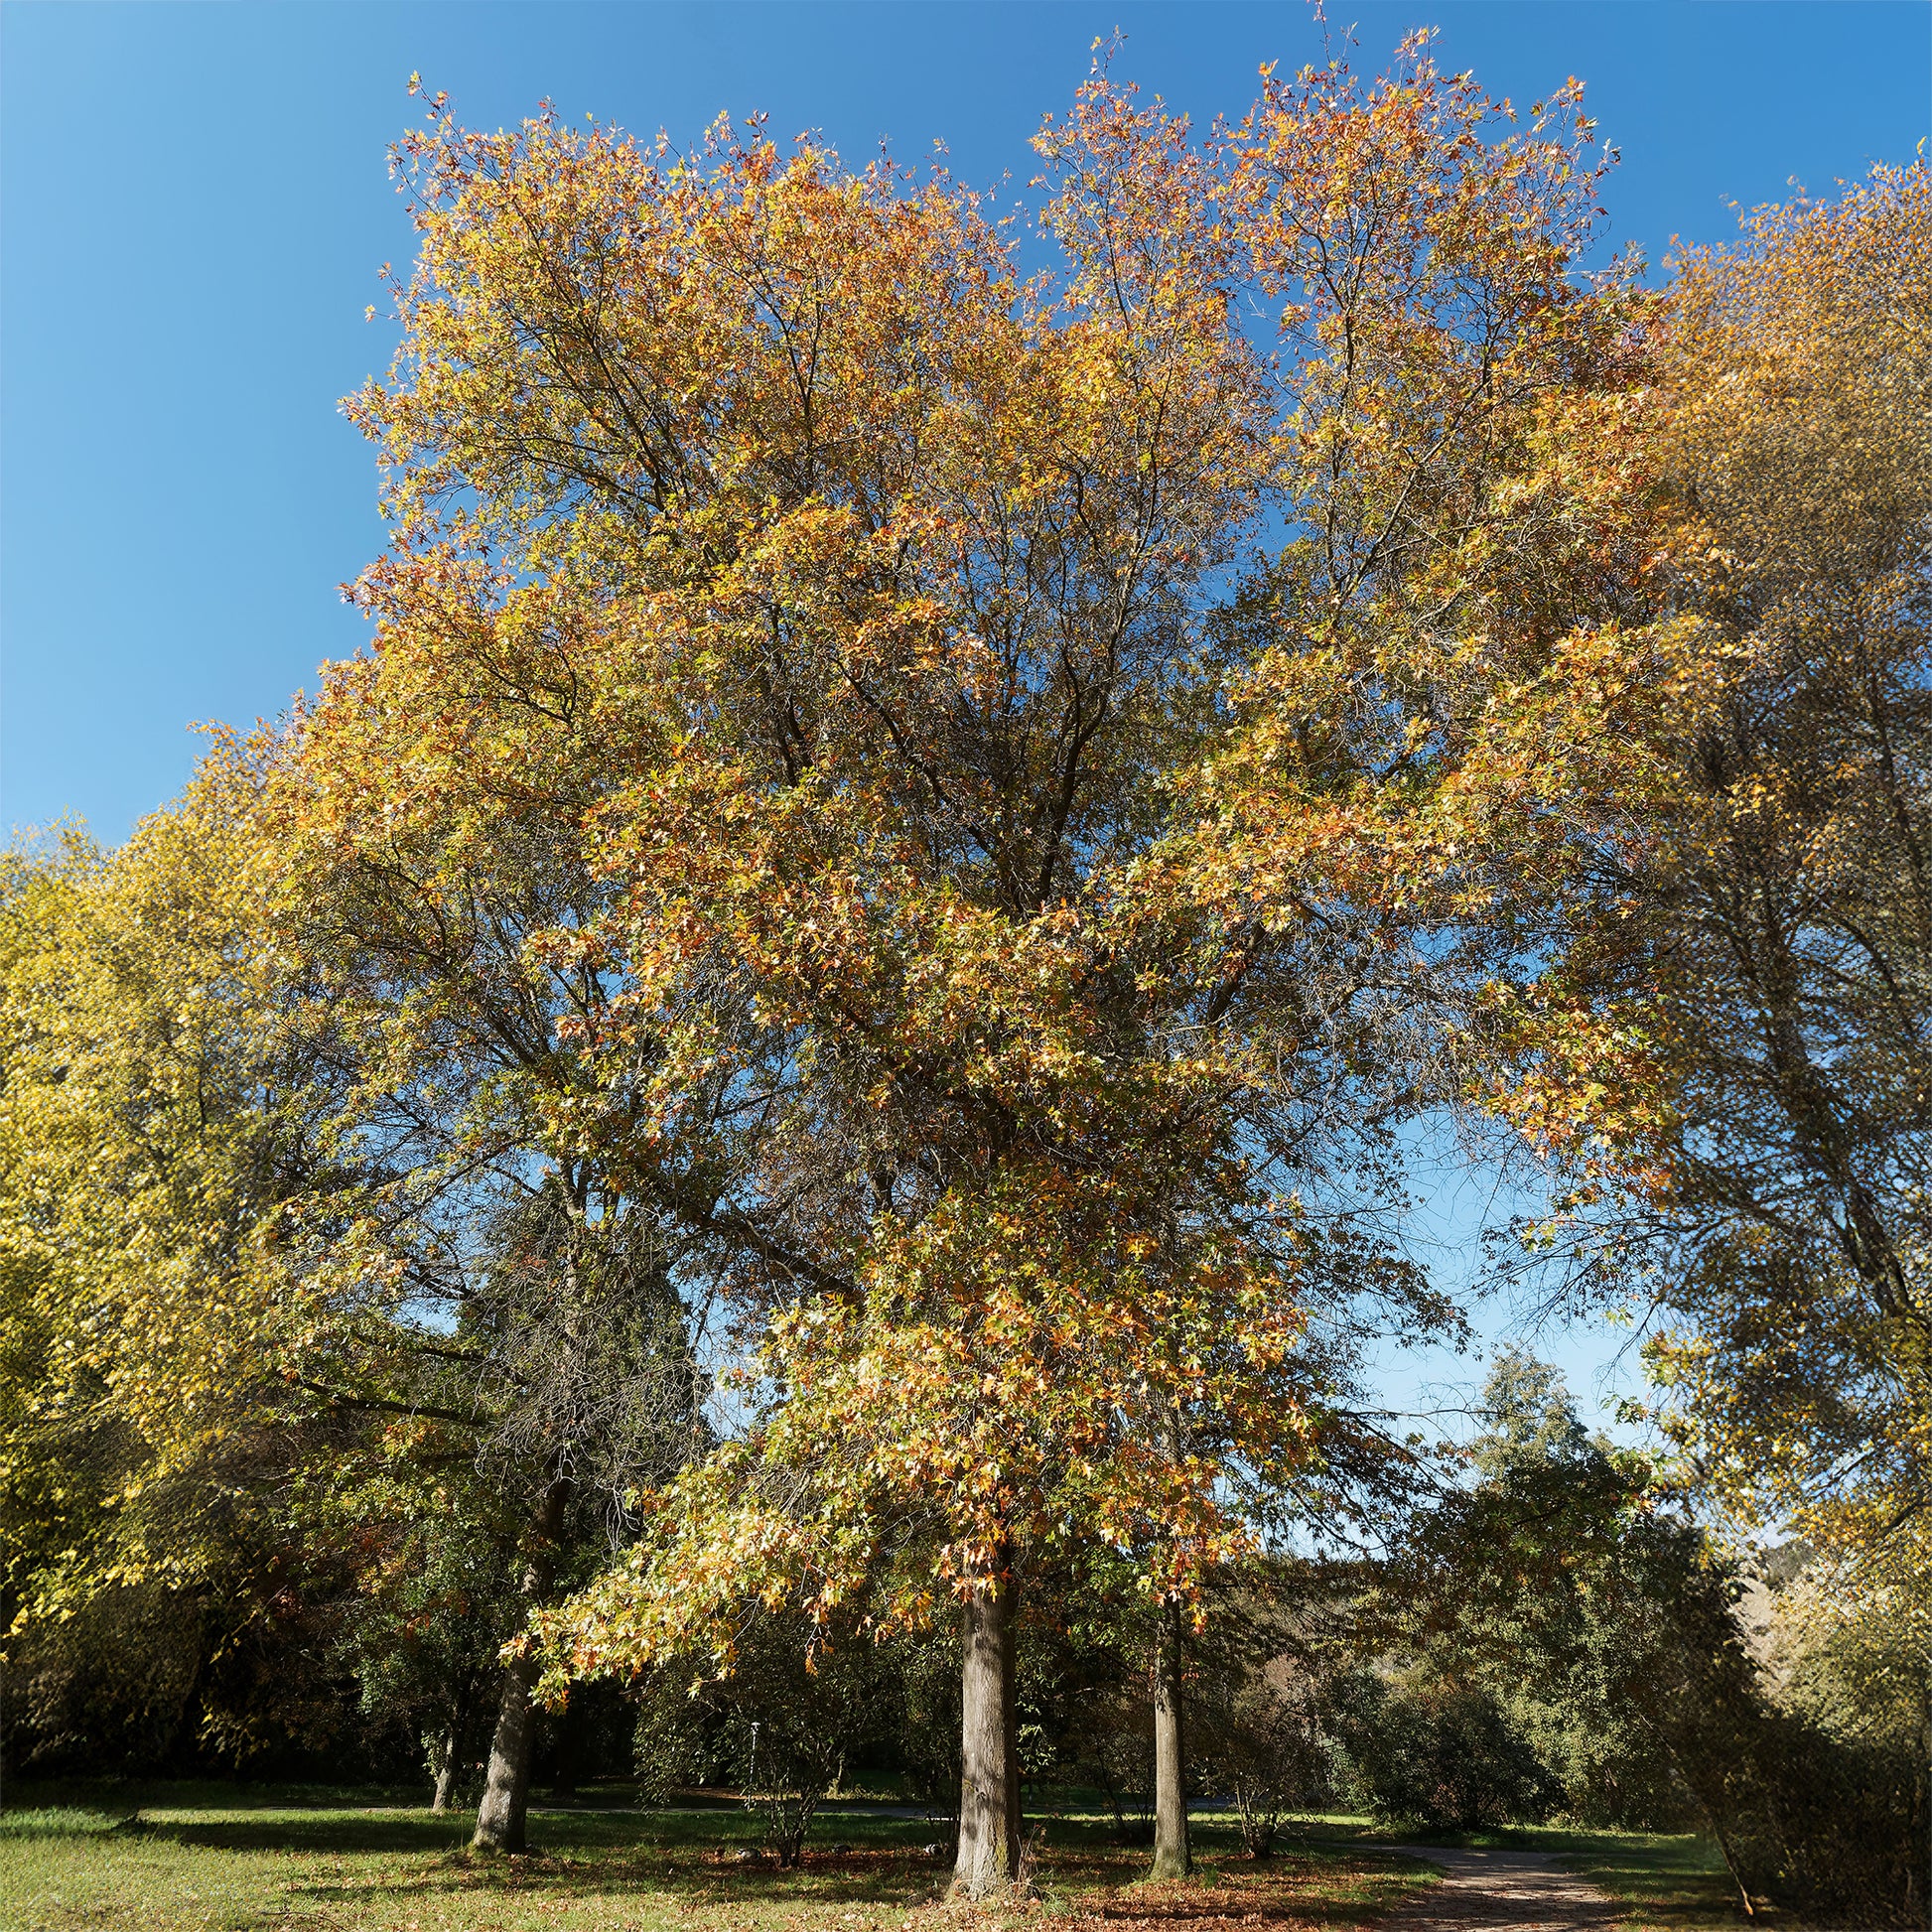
(1445, 1755)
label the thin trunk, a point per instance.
(441, 1764)
(1711, 1812)
(1171, 1857)
(1927, 1818)
(1730, 1864)
(988, 1785)
(506, 1788)
(1104, 1778)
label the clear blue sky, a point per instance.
(194, 205)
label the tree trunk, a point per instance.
(1712, 1811)
(988, 1785)
(1016, 1807)
(506, 1788)
(442, 1766)
(1171, 1856)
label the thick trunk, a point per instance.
(442, 1766)
(506, 1788)
(989, 1786)
(1171, 1856)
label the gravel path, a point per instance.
(1502, 1892)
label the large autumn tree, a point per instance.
(853, 777)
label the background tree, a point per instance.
(1600, 1626)
(1722, 803)
(1443, 1754)
(430, 1595)
(156, 1113)
(480, 1269)
(818, 1700)
(1261, 1709)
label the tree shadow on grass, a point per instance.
(895, 1880)
(1094, 1891)
(313, 1833)
(403, 1830)
(121, 1795)
(1673, 1893)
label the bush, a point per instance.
(800, 1703)
(1444, 1755)
(1258, 1733)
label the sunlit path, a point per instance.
(1526, 1891)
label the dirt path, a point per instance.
(1494, 1890)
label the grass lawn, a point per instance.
(1668, 1883)
(168, 1857)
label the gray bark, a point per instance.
(441, 1764)
(506, 1788)
(1173, 1855)
(989, 1791)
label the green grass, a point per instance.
(168, 1857)
(1668, 1883)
